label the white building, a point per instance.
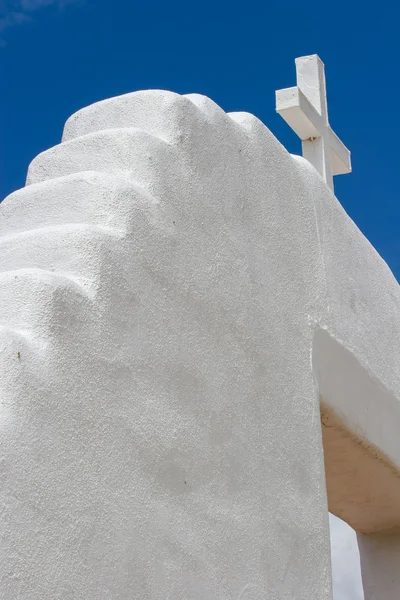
(180, 301)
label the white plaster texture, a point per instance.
(380, 560)
(164, 278)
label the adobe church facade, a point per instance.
(200, 352)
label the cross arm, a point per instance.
(340, 156)
(299, 113)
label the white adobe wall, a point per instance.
(380, 560)
(163, 277)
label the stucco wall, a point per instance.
(162, 276)
(380, 559)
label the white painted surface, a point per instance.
(162, 279)
(305, 110)
(380, 560)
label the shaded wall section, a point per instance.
(363, 482)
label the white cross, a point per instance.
(304, 109)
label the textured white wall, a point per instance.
(380, 560)
(161, 279)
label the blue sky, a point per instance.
(60, 55)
